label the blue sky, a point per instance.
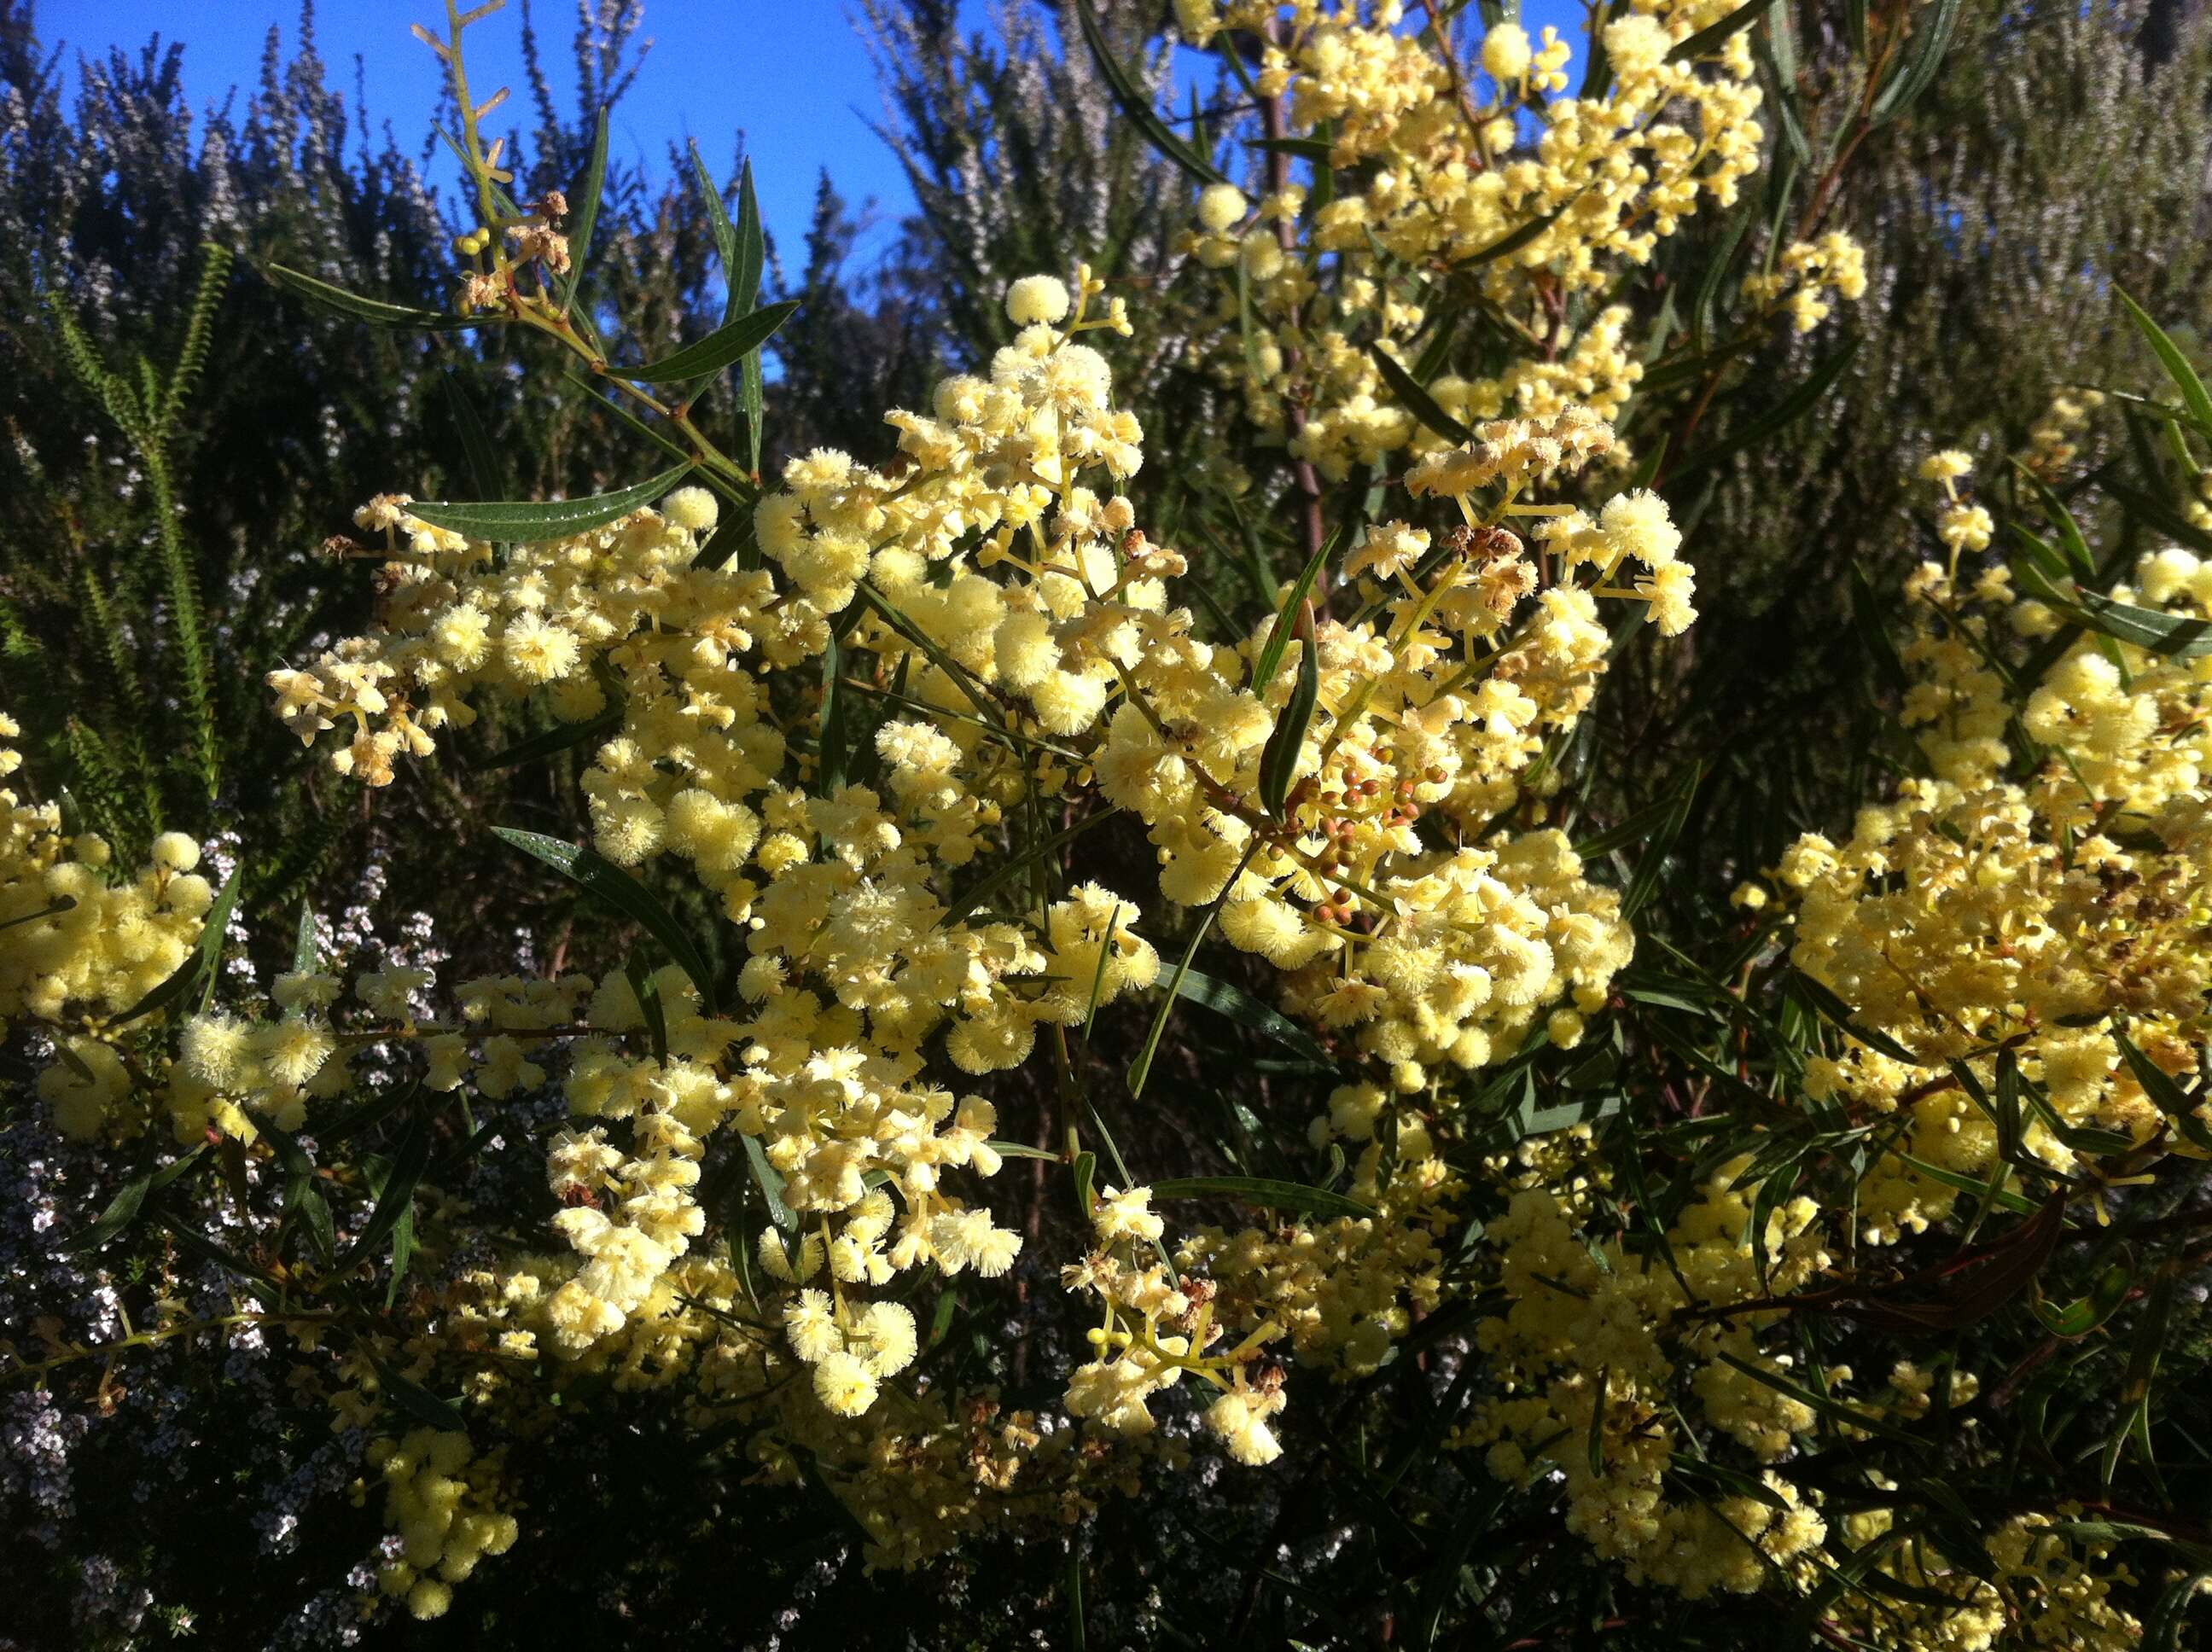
(794, 75)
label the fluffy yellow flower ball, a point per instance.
(1036, 298)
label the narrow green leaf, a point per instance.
(1023, 1149)
(1010, 871)
(734, 536)
(67, 902)
(2176, 1602)
(1086, 1178)
(594, 873)
(1078, 1637)
(2003, 1109)
(1137, 107)
(1867, 613)
(1718, 266)
(1650, 461)
(2166, 1094)
(315, 1211)
(725, 234)
(1835, 1410)
(1279, 637)
(371, 1113)
(2049, 560)
(1143, 1067)
(1264, 1191)
(525, 521)
(830, 739)
(1715, 35)
(584, 212)
(307, 952)
(647, 990)
(413, 1400)
(752, 244)
(2085, 1314)
(1306, 149)
(303, 1201)
(1597, 67)
(770, 1181)
(752, 258)
(1225, 997)
(2150, 1341)
(743, 249)
(1597, 1424)
(1513, 240)
(728, 342)
(948, 1304)
(1665, 990)
(1279, 759)
(2179, 636)
(1422, 405)
(1534, 1120)
(2078, 556)
(558, 738)
(1658, 845)
(2182, 636)
(486, 475)
(1823, 1002)
(980, 698)
(199, 971)
(1098, 978)
(191, 1239)
(373, 311)
(122, 1210)
(2160, 515)
(2003, 1197)
(1630, 831)
(1245, 339)
(397, 1197)
(1932, 29)
(1791, 408)
(1777, 52)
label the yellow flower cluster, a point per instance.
(1345, 1290)
(855, 958)
(81, 944)
(996, 644)
(1522, 201)
(2026, 907)
(1138, 1357)
(1805, 272)
(2050, 1588)
(635, 1302)
(997, 606)
(1433, 702)
(922, 1467)
(1961, 524)
(622, 610)
(2050, 443)
(1598, 1367)
(234, 1069)
(442, 1498)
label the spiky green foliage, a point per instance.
(147, 416)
